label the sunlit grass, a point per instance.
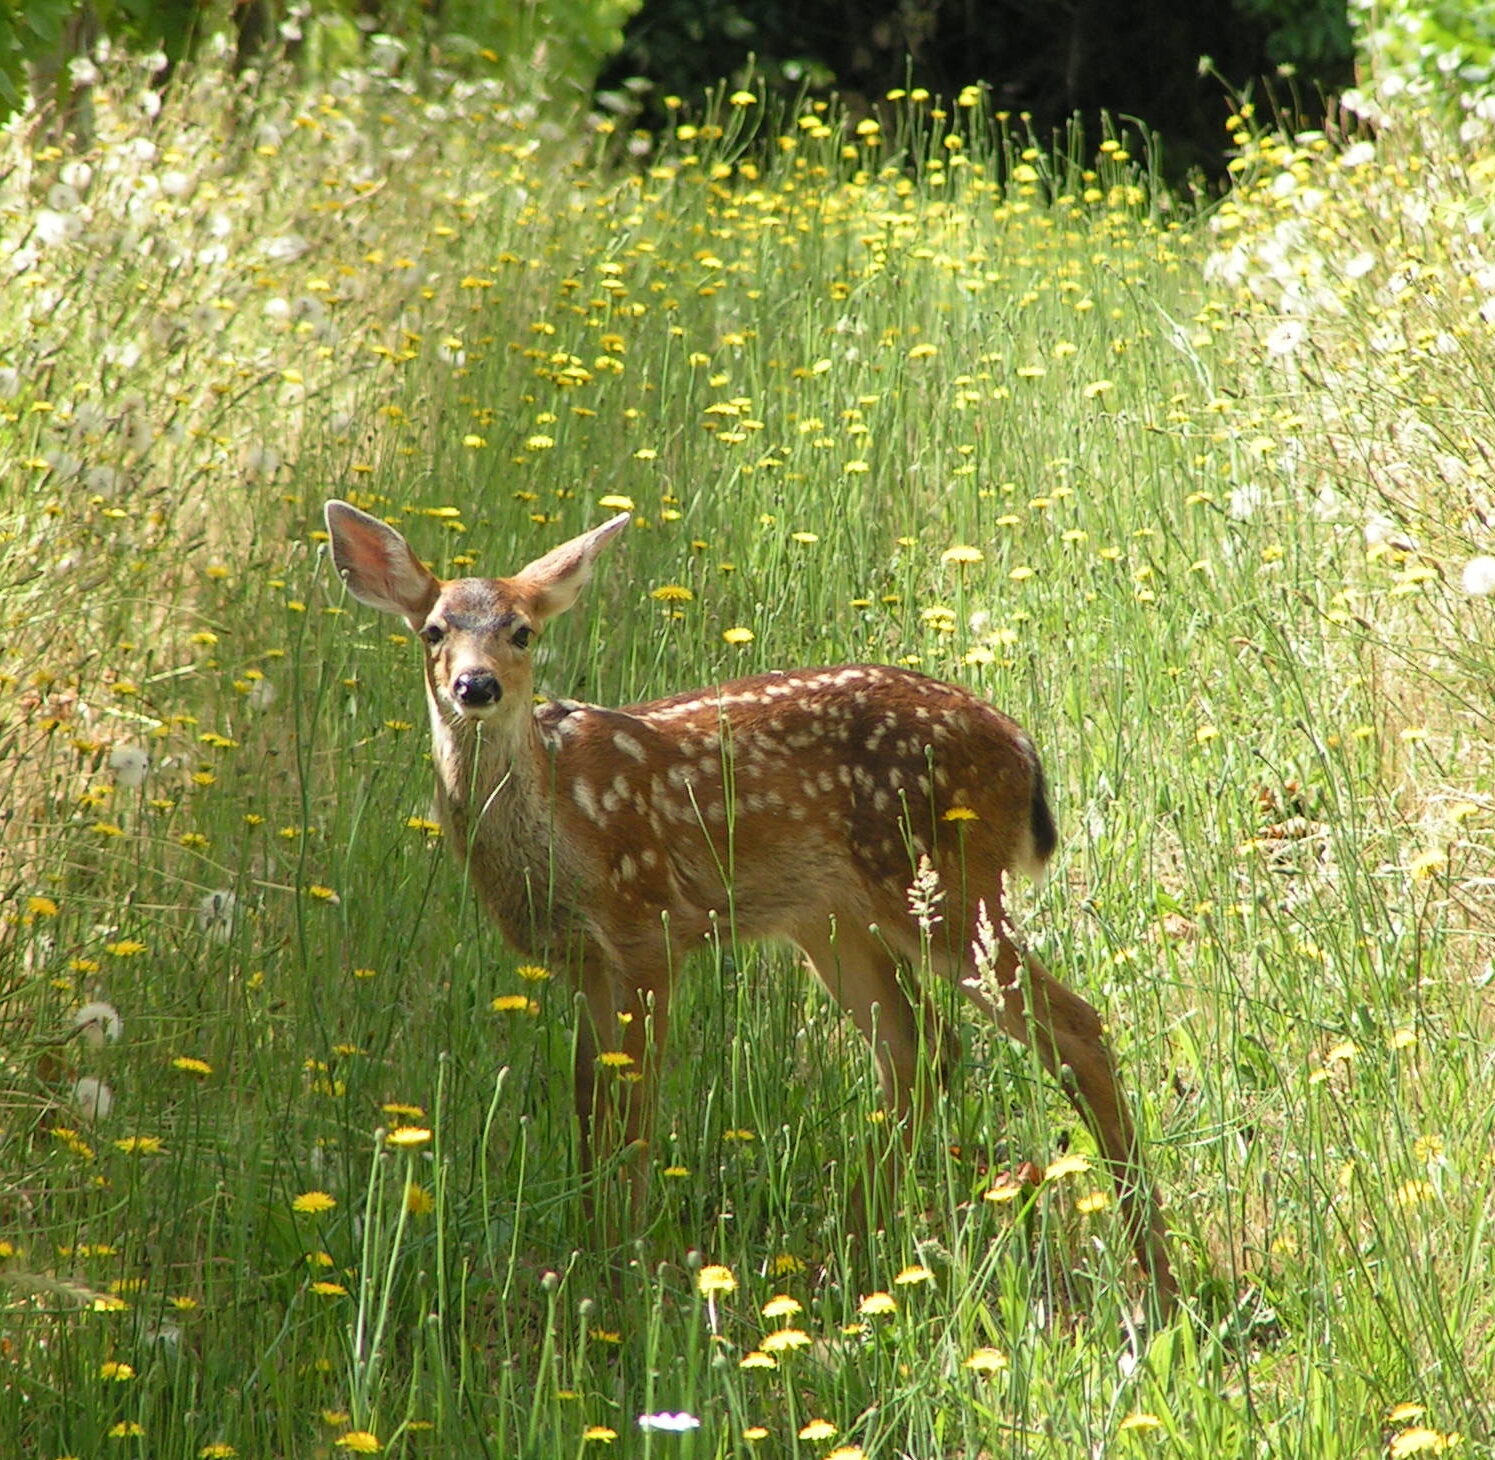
(287, 1138)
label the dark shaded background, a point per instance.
(1054, 59)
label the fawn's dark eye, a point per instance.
(522, 635)
(433, 634)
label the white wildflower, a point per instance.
(93, 1098)
(129, 764)
(1478, 577)
(1286, 338)
(215, 914)
(676, 1424)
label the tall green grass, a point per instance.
(333, 1200)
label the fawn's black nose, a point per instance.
(475, 688)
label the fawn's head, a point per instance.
(477, 632)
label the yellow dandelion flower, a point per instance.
(512, 1004)
(616, 502)
(1425, 864)
(323, 894)
(714, 1278)
(115, 1371)
(960, 813)
(739, 636)
(41, 907)
(962, 556)
(817, 1429)
(615, 1059)
(914, 1273)
(743, 98)
(1414, 1193)
(532, 972)
(753, 1433)
(141, 1146)
(757, 1359)
(190, 1065)
(782, 1306)
(783, 1340)
(1139, 1420)
(217, 1450)
(1419, 1441)
(805, 537)
(600, 1434)
(672, 593)
(408, 1137)
(360, 1442)
(1006, 1188)
(125, 948)
(987, 1361)
(1072, 1164)
(1093, 1201)
(126, 1429)
(325, 1289)
(923, 352)
(418, 1201)
(875, 1303)
(313, 1203)
(847, 1452)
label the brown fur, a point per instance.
(793, 805)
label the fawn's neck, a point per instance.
(486, 771)
(492, 779)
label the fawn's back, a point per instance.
(787, 798)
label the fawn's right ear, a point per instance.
(377, 565)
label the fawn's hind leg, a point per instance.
(1032, 1006)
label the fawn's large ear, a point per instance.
(552, 584)
(377, 565)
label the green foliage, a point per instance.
(543, 49)
(28, 29)
(173, 25)
(564, 43)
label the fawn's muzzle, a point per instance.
(476, 689)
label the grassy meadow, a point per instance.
(1204, 497)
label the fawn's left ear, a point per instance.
(553, 583)
(377, 565)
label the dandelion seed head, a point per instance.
(99, 1023)
(1478, 576)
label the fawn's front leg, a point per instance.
(620, 1041)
